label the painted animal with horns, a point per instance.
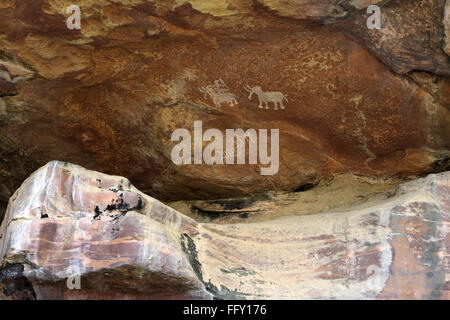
(267, 97)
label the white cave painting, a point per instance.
(220, 93)
(265, 98)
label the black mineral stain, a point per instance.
(17, 286)
(223, 293)
(122, 206)
(98, 213)
(229, 205)
(119, 188)
(118, 205)
(305, 187)
(440, 165)
(209, 214)
(226, 207)
(11, 271)
(189, 248)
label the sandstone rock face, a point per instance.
(324, 10)
(410, 38)
(66, 220)
(108, 96)
(126, 245)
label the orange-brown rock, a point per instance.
(412, 36)
(127, 245)
(446, 22)
(109, 96)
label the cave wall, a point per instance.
(108, 96)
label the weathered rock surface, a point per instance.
(446, 21)
(410, 38)
(128, 245)
(110, 95)
(66, 219)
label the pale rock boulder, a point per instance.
(66, 220)
(127, 245)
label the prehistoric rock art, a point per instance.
(367, 102)
(266, 97)
(219, 92)
(128, 245)
(353, 202)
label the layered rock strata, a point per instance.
(66, 220)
